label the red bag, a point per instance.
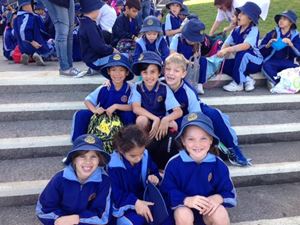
(17, 55)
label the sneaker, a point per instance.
(249, 84)
(38, 59)
(200, 89)
(236, 157)
(233, 86)
(92, 72)
(270, 85)
(72, 72)
(24, 59)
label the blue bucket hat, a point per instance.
(193, 16)
(39, 5)
(179, 2)
(251, 10)
(24, 2)
(87, 142)
(184, 10)
(151, 23)
(90, 5)
(193, 31)
(290, 14)
(147, 57)
(159, 209)
(200, 120)
(117, 59)
(77, 8)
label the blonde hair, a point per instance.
(177, 59)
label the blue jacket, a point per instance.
(65, 195)
(9, 42)
(185, 178)
(92, 42)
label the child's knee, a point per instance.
(142, 121)
(219, 217)
(183, 215)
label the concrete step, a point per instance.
(268, 203)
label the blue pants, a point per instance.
(244, 64)
(81, 120)
(221, 125)
(271, 67)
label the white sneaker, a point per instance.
(38, 59)
(200, 89)
(249, 84)
(233, 86)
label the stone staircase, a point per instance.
(36, 108)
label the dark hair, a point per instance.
(133, 4)
(79, 153)
(144, 66)
(226, 3)
(129, 137)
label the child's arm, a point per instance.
(168, 27)
(122, 107)
(294, 45)
(91, 102)
(173, 32)
(214, 27)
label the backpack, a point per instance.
(127, 46)
(105, 128)
(16, 56)
(193, 70)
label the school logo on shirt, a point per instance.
(160, 98)
(90, 140)
(150, 22)
(117, 57)
(141, 57)
(124, 98)
(192, 116)
(92, 197)
(209, 177)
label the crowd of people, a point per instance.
(169, 138)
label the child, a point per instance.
(95, 52)
(151, 99)
(80, 194)
(151, 39)
(126, 25)
(27, 28)
(130, 169)
(109, 100)
(175, 71)
(9, 40)
(243, 41)
(196, 182)
(119, 7)
(173, 21)
(279, 58)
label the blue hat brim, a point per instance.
(135, 66)
(86, 147)
(116, 63)
(192, 38)
(201, 125)
(277, 18)
(242, 9)
(173, 2)
(151, 28)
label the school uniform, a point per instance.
(104, 97)
(184, 177)
(157, 101)
(245, 62)
(159, 46)
(172, 23)
(9, 42)
(27, 28)
(124, 28)
(128, 185)
(65, 195)
(95, 52)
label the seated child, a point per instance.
(130, 169)
(151, 99)
(151, 39)
(126, 25)
(243, 41)
(108, 99)
(80, 194)
(175, 71)
(197, 183)
(27, 29)
(9, 40)
(276, 57)
(95, 52)
(173, 21)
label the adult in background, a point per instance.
(62, 15)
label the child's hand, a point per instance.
(162, 129)
(107, 83)
(110, 110)
(270, 42)
(197, 202)
(67, 220)
(99, 111)
(153, 179)
(215, 201)
(288, 42)
(116, 51)
(222, 52)
(35, 44)
(154, 128)
(142, 208)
